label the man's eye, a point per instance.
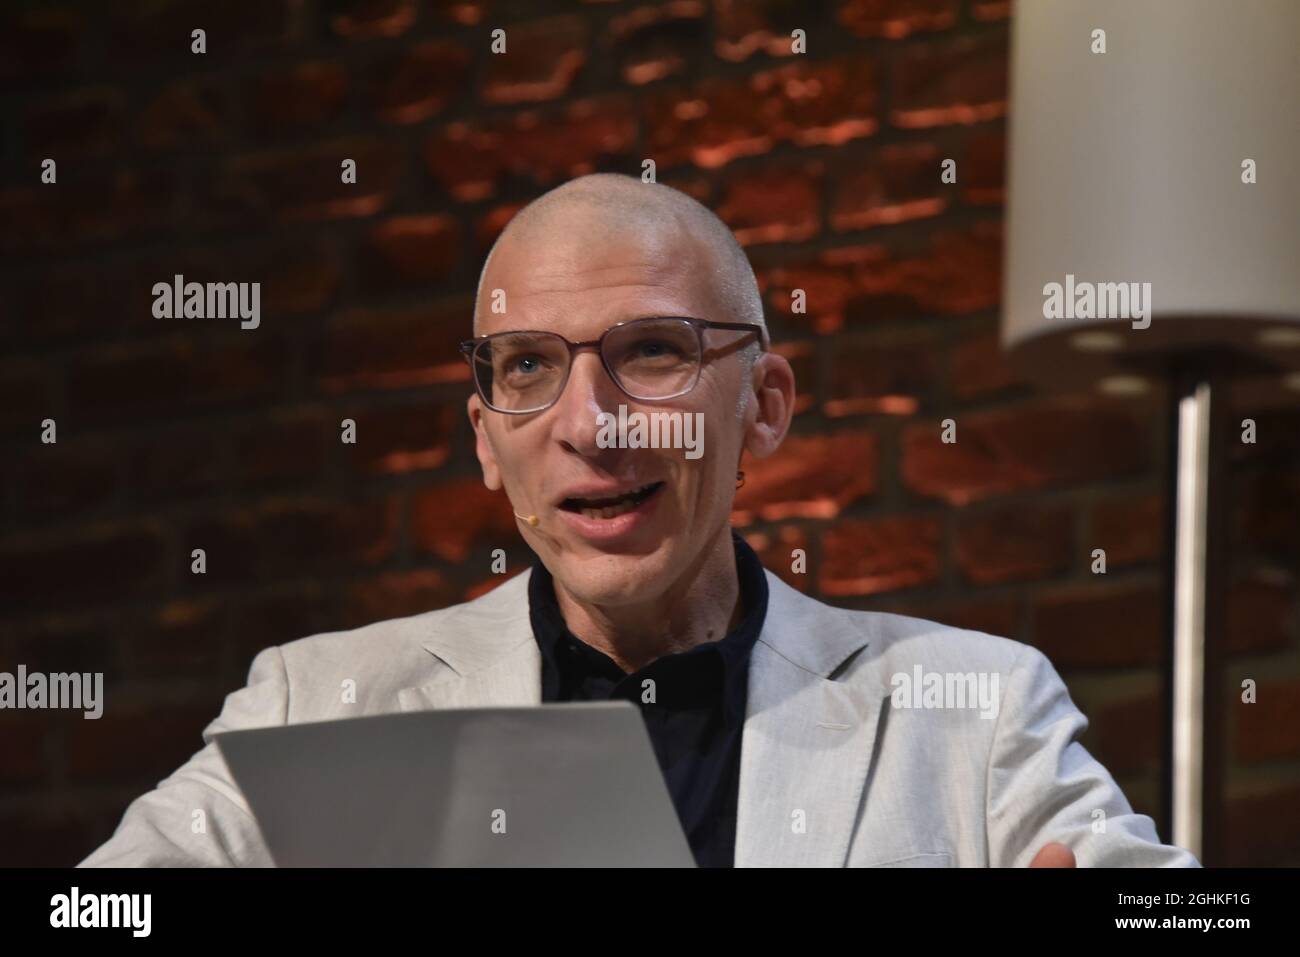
(525, 364)
(655, 348)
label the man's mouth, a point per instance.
(611, 507)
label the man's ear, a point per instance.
(482, 446)
(772, 380)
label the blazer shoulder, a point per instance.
(394, 643)
(945, 647)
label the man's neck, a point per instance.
(702, 605)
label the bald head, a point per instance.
(601, 207)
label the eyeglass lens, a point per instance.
(523, 371)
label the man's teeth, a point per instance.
(629, 501)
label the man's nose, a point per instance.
(589, 392)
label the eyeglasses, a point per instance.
(649, 359)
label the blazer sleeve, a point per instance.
(164, 829)
(1044, 786)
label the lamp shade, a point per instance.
(1129, 174)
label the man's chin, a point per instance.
(613, 578)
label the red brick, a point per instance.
(957, 271)
(302, 186)
(358, 19)
(93, 303)
(186, 115)
(1265, 518)
(887, 375)
(1262, 828)
(39, 42)
(85, 123)
(140, 743)
(63, 481)
(66, 640)
(1261, 615)
(775, 205)
(281, 614)
(802, 357)
(541, 60)
(1126, 736)
(956, 81)
(26, 400)
(298, 277)
(393, 349)
(1101, 627)
(471, 163)
(827, 289)
(989, 616)
(453, 518)
(897, 184)
(419, 82)
(810, 476)
(179, 639)
(91, 565)
(291, 99)
(286, 447)
(396, 595)
(1269, 729)
(650, 43)
(92, 207)
(179, 463)
(142, 33)
(1277, 435)
(717, 121)
(989, 10)
(745, 27)
(44, 835)
(463, 12)
(1051, 443)
(22, 742)
(894, 19)
(879, 555)
(1015, 544)
(982, 174)
(410, 251)
(409, 437)
(158, 379)
(775, 550)
(980, 369)
(282, 538)
(1130, 529)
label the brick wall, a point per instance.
(177, 434)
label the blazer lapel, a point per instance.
(808, 742)
(482, 655)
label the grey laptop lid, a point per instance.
(573, 784)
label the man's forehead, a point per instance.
(623, 274)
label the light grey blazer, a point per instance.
(833, 770)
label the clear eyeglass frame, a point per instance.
(472, 349)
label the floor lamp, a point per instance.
(1153, 240)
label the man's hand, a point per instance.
(1053, 855)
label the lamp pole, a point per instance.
(1197, 587)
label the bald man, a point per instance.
(789, 732)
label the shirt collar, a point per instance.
(549, 627)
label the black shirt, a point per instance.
(698, 716)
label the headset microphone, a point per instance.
(530, 519)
